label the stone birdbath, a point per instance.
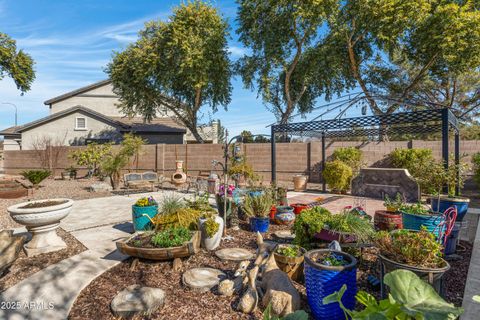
(42, 218)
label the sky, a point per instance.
(72, 42)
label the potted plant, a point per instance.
(326, 272)
(289, 258)
(284, 215)
(142, 212)
(223, 196)
(258, 210)
(417, 216)
(42, 218)
(410, 298)
(211, 226)
(308, 224)
(391, 218)
(439, 177)
(299, 207)
(417, 251)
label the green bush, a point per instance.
(36, 176)
(417, 162)
(309, 222)
(173, 237)
(350, 156)
(337, 175)
(476, 167)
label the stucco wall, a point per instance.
(62, 131)
(10, 143)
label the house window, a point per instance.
(80, 123)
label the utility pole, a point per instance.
(16, 111)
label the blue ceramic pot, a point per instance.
(284, 215)
(445, 203)
(259, 224)
(140, 222)
(322, 280)
(433, 222)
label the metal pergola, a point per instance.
(373, 128)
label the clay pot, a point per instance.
(387, 220)
(300, 182)
(273, 211)
(299, 207)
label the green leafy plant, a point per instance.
(415, 208)
(291, 251)
(297, 315)
(200, 202)
(394, 204)
(410, 298)
(351, 223)
(36, 176)
(337, 175)
(172, 237)
(418, 162)
(414, 248)
(211, 227)
(307, 224)
(258, 206)
(476, 167)
(351, 156)
(183, 217)
(91, 156)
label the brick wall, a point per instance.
(292, 158)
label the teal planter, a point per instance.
(140, 222)
(435, 223)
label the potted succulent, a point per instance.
(326, 272)
(289, 258)
(417, 216)
(391, 218)
(142, 212)
(417, 251)
(211, 226)
(258, 210)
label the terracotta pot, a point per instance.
(388, 221)
(299, 207)
(300, 182)
(273, 211)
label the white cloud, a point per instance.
(237, 51)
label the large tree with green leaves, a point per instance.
(287, 63)
(181, 64)
(16, 64)
(413, 52)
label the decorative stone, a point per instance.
(283, 236)
(202, 279)
(10, 247)
(100, 187)
(234, 254)
(137, 300)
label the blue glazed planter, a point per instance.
(431, 222)
(259, 224)
(322, 280)
(140, 222)
(445, 203)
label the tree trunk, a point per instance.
(196, 134)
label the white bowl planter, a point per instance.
(42, 222)
(213, 242)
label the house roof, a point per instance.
(78, 91)
(68, 111)
(137, 124)
(10, 131)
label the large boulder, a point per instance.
(137, 300)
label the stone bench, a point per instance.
(379, 182)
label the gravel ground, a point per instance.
(94, 301)
(25, 266)
(50, 188)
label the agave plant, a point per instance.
(258, 206)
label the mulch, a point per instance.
(456, 277)
(25, 266)
(182, 303)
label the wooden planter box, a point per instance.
(187, 249)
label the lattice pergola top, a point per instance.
(415, 122)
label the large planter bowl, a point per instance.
(387, 220)
(433, 222)
(141, 217)
(460, 203)
(213, 242)
(42, 222)
(322, 280)
(259, 224)
(434, 276)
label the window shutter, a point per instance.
(81, 123)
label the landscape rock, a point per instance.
(234, 254)
(202, 279)
(137, 300)
(100, 187)
(10, 247)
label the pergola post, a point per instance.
(273, 154)
(324, 185)
(457, 161)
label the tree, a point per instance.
(246, 137)
(287, 63)
(91, 156)
(180, 65)
(407, 52)
(16, 64)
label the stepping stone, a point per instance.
(234, 254)
(202, 279)
(137, 300)
(284, 235)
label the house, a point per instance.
(90, 114)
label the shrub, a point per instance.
(36, 176)
(173, 237)
(337, 175)
(351, 156)
(184, 217)
(418, 163)
(476, 167)
(211, 227)
(309, 222)
(171, 204)
(91, 156)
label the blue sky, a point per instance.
(72, 41)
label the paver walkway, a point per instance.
(472, 287)
(50, 293)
